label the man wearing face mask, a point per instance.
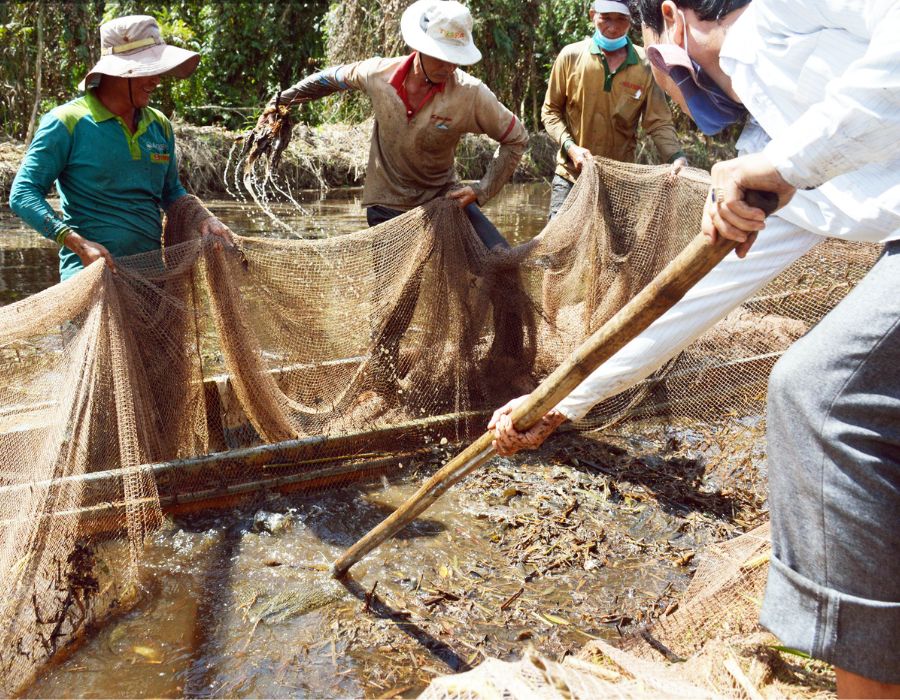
(821, 83)
(600, 89)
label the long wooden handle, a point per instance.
(662, 292)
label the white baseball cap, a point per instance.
(132, 47)
(611, 6)
(441, 29)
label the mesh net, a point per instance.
(312, 354)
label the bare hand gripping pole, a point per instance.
(669, 286)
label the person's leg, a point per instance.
(851, 685)
(559, 190)
(485, 229)
(377, 214)
(834, 487)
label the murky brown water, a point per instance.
(584, 539)
(28, 262)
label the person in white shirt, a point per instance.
(821, 83)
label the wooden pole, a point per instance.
(660, 294)
(105, 517)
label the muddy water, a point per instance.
(28, 262)
(586, 539)
(595, 535)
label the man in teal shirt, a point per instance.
(110, 153)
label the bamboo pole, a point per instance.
(660, 294)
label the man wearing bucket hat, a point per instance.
(110, 153)
(600, 89)
(423, 104)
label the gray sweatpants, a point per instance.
(834, 483)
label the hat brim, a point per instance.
(163, 59)
(411, 30)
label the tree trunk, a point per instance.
(37, 74)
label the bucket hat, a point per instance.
(132, 47)
(441, 29)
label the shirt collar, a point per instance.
(630, 60)
(98, 110)
(403, 70)
(100, 113)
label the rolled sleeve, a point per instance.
(45, 159)
(503, 126)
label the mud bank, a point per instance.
(332, 155)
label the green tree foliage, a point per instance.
(252, 48)
(71, 45)
(249, 50)
(519, 41)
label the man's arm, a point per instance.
(657, 122)
(726, 286)
(503, 126)
(43, 163)
(553, 113)
(855, 124)
(316, 86)
(858, 121)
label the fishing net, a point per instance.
(315, 357)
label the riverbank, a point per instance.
(324, 157)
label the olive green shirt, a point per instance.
(601, 111)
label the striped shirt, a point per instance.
(822, 79)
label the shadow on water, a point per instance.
(678, 483)
(216, 578)
(376, 606)
(341, 531)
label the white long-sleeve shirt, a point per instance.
(821, 80)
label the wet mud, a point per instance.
(589, 537)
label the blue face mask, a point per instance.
(711, 109)
(609, 44)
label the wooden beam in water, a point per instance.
(171, 477)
